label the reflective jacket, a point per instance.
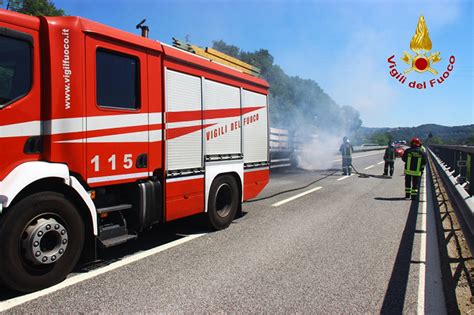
(415, 161)
(389, 155)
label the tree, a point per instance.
(351, 118)
(432, 139)
(297, 104)
(469, 140)
(435, 140)
(230, 50)
(32, 7)
(381, 138)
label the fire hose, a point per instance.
(293, 189)
(364, 175)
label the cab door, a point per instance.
(20, 70)
(117, 126)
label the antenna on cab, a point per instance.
(144, 28)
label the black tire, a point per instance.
(21, 272)
(223, 202)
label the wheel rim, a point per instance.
(223, 200)
(44, 241)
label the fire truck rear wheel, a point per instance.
(223, 202)
(41, 240)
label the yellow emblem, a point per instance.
(421, 45)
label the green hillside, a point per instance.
(296, 103)
(439, 134)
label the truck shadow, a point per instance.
(157, 236)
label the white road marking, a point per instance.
(279, 203)
(359, 156)
(422, 259)
(344, 177)
(369, 167)
(8, 304)
(380, 162)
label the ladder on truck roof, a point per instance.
(217, 56)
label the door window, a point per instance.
(117, 78)
(15, 69)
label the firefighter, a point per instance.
(389, 158)
(415, 161)
(346, 152)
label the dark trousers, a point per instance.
(412, 183)
(386, 166)
(346, 165)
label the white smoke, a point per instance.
(319, 152)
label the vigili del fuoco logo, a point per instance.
(422, 61)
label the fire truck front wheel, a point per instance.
(41, 240)
(223, 202)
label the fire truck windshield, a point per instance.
(15, 69)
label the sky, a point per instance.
(342, 45)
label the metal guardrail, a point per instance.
(460, 160)
(463, 201)
(369, 148)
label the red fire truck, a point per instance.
(104, 133)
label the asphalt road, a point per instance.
(348, 247)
